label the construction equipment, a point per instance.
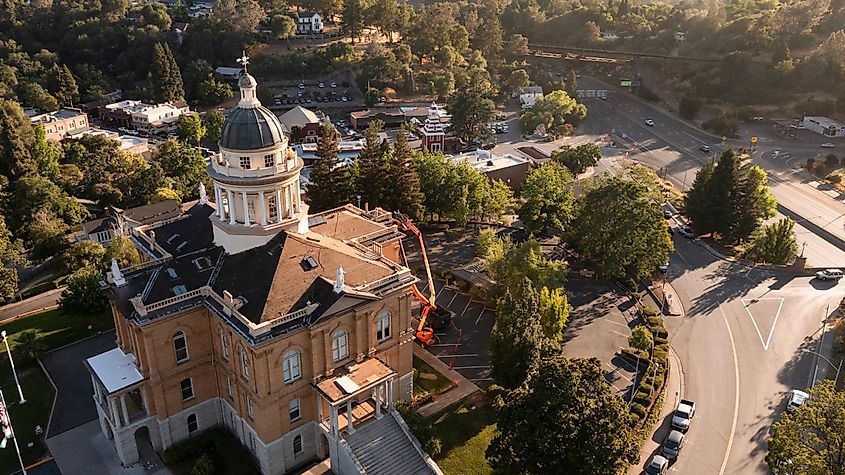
(425, 335)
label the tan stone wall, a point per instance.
(211, 373)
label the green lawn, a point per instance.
(422, 386)
(57, 329)
(465, 435)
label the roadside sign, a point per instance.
(724, 138)
(753, 139)
(612, 131)
(626, 83)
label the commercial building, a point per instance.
(824, 126)
(294, 331)
(508, 168)
(146, 118)
(62, 123)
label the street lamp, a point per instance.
(835, 378)
(12, 362)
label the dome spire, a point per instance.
(248, 85)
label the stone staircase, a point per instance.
(386, 447)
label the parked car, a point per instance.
(664, 268)
(829, 274)
(704, 148)
(344, 99)
(828, 145)
(333, 85)
(683, 415)
(672, 445)
(686, 232)
(667, 213)
(301, 86)
(797, 398)
(657, 466)
(382, 99)
(649, 122)
(321, 85)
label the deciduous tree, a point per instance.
(283, 27)
(517, 341)
(184, 165)
(547, 199)
(214, 122)
(577, 159)
(773, 243)
(566, 419)
(621, 230)
(557, 112)
(82, 294)
(641, 338)
(123, 251)
(809, 440)
(191, 129)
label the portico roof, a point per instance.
(358, 378)
(115, 369)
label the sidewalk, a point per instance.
(35, 304)
(463, 387)
(674, 392)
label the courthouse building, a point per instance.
(294, 331)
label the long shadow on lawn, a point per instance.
(461, 423)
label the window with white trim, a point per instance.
(292, 366)
(249, 408)
(297, 444)
(340, 345)
(383, 326)
(180, 346)
(245, 163)
(244, 365)
(229, 386)
(187, 388)
(193, 425)
(293, 409)
(224, 343)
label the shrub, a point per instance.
(204, 466)
(835, 179)
(422, 429)
(650, 311)
(820, 169)
(811, 162)
(831, 161)
(638, 409)
(645, 388)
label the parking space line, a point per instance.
(465, 308)
(615, 323)
(620, 334)
(453, 299)
(479, 315)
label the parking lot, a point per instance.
(464, 345)
(599, 325)
(330, 92)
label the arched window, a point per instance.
(292, 366)
(180, 345)
(244, 364)
(383, 326)
(297, 444)
(340, 345)
(193, 425)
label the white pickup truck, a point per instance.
(683, 415)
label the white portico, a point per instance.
(255, 175)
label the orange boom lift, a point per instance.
(425, 335)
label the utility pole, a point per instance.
(12, 362)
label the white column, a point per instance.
(279, 205)
(333, 422)
(123, 408)
(96, 389)
(218, 200)
(145, 401)
(246, 209)
(263, 208)
(297, 193)
(390, 394)
(113, 410)
(320, 410)
(349, 427)
(230, 203)
(377, 398)
(289, 196)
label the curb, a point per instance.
(53, 405)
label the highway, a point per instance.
(672, 146)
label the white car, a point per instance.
(828, 145)
(333, 85)
(796, 399)
(829, 274)
(321, 85)
(649, 122)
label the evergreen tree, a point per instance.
(374, 188)
(45, 155)
(165, 77)
(15, 139)
(404, 180)
(63, 85)
(332, 182)
(517, 341)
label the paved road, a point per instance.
(37, 302)
(740, 347)
(673, 146)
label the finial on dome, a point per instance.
(203, 195)
(117, 275)
(338, 279)
(243, 60)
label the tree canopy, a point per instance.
(565, 419)
(621, 230)
(547, 201)
(773, 243)
(557, 112)
(577, 159)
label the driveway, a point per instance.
(66, 368)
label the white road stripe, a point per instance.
(736, 393)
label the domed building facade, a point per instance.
(255, 175)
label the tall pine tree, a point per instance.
(372, 167)
(63, 85)
(165, 77)
(406, 195)
(332, 182)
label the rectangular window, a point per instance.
(292, 368)
(269, 161)
(293, 410)
(180, 346)
(244, 365)
(383, 326)
(340, 345)
(245, 163)
(187, 389)
(224, 343)
(229, 386)
(249, 407)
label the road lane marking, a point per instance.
(775, 322)
(479, 315)
(736, 393)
